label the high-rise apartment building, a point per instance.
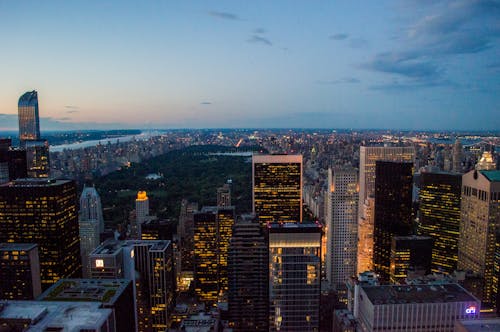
(439, 217)
(141, 214)
(410, 254)
(277, 188)
(212, 233)
(294, 276)
(368, 157)
(150, 265)
(393, 210)
(19, 271)
(29, 123)
(479, 224)
(224, 195)
(342, 226)
(43, 212)
(91, 225)
(37, 158)
(248, 274)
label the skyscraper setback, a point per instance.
(277, 188)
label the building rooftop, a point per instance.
(35, 182)
(53, 316)
(492, 176)
(294, 227)
(29, 98)
(480, 325)
(391, 294)
(113, 247)
(91, 290)
(17, 246)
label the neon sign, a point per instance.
(470, 310)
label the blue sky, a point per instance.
(324, 64)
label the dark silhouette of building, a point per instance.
(12, 162)
(393, 206)
(410, 254)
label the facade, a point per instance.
(410, 254)
(43, 212)
(248, 273)
(294, 276)
(480, 222)
(29, 123)
(393, 207)
(117, 295)
(212, 233)
(19, 271)
(342, 226)
(439, 217)
(414, 308)
(91, 225)
(368, 155)
(277, 188)
(36, 316)
(149, 264)
(141, 214)
(37, 158)
(486, 163)
(224, 195)
(458, 156)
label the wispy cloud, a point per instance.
(259, 40)
(224, 15)
(339, 36)
(344, 80)
(206, 103)
(259, 31)
(72, 109)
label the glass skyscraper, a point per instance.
(29, 123)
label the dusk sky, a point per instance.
(405, 64)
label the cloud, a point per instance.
(339, 36)
(344, 80)
(206, 103)
(259, 31)
(224, 15)
(358, 43)
(259, 40)
(443, 32)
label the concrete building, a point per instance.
(480, 222)
(19, 271)
(342, 226)
(368, 155)
(414, 308)
(277, 188)
(294, 276)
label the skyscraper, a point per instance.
(37, 158)
(19, 271)
(277, 188)
(141, 214)
(91, 225)
(248, 274)
(458, 155)
(43, 212)
(212, 233)
(410, 253)
(479, 224)
(342, 226)
(368, 157)
(29, 123)
(224, 195)
(393, 204)
(439, 217)
(294, 276)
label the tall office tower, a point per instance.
(486, 163)
(185, 230)
(480, 221)
(150, 265)
(368, 155)
(115, 294)
(19, 271)
(37, 158)
(410, 256)
(12, 162)
(29, 123)
(342, 226)
(439, 217)
(248, 273)
(43, 212)
(224, 195)
(141, 214)
(294, 276)
(418, 308)
(212, 232)
(458, 155)
(91, 225)
(393, 207)
(277, 188)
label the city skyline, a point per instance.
(390, 64)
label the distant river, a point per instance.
(112, 140)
